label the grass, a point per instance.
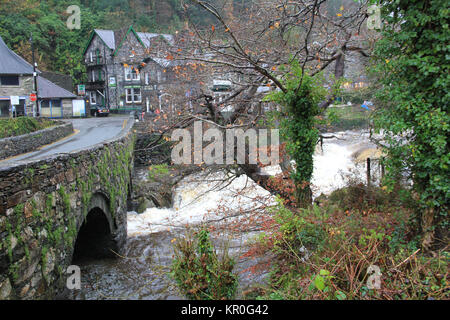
(23, 125)
(157, 172)
(347, 118)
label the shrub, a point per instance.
(199, 272)
(350, 255)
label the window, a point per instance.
(93, 75)
(133, 95)
(158, 75)
(9, 80)
(147, 78)
(153, 73)
(132, 74)
(93, 97)
(91, 56)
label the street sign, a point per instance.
(112, 82)
(81, 90)
(15, 100)
(33, 97)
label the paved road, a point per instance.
(88, 132)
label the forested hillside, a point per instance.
(59, 48)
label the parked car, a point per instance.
(99, 111)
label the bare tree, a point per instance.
(254, 49)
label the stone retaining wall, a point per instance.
(13, 146)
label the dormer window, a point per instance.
(132, 74)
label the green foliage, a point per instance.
(346, 118)
(322, 280)
(23, 125)
(65, 198)
(296, 232)
(60, 49)
(156, 171)
(413, 70)
(298, 124)
(49, 204)
(198, 271)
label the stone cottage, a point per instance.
(17, 82)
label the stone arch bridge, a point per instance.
(57, 210)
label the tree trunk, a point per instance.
(427, 228)
(304, 196)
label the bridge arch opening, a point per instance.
(94, 238)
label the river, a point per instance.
(142, 271)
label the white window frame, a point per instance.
(91, 56)
(130, 94)
(93, 97)
(158, 75)
(130, 75)
(147, 78)
(140, 95)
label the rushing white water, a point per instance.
(197, 197)
(342, 158)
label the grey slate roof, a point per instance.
(165, 63)
(49, 90)
(147, 37)
(11, 63)
(112, 38)
(108, 37)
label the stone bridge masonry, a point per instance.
(60, 209)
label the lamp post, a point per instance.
(160, 99)
(35, 76)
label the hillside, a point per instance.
(60, 49)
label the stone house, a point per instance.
(125, 71)
(16, 80)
